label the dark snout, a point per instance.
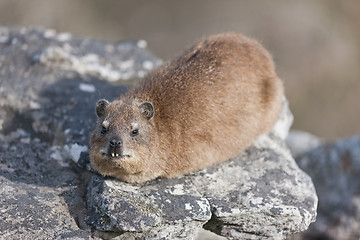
(114, 148)
(115, 142)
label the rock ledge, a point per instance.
(49, 84)
(260, 194)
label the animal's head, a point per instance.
(121, 144)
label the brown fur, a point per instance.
(209, 105)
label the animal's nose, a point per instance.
(115, 142)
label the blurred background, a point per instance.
(315, 44)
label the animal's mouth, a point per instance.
(115, 155)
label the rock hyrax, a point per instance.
(202, 108)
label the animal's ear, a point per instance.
(147, 110)
(101, 106)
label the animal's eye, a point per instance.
(134, 132)
(104, 130)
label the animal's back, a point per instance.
(213, 101)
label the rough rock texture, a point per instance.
(260, 194)
(335, 170)
(46, 115)
(49, 83)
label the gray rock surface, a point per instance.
(260, 194)
(46, 115)
(49, 83)
(335, 170)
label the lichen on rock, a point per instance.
(46, 116)
(261, 193)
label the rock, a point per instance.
(50, 83)
(74, 151)
(32, 59)
(260, 194)
(68, 59)
(162, 209)
(335, 170)
(39, 199)
(281, 128)
(300, 142)
(47, 112)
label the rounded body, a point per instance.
(200, 109)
